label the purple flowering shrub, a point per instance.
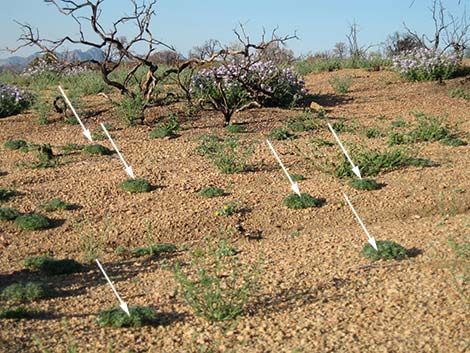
(234, 86)
(44, 65)
(422, 64)
(13, 100)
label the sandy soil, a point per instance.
(317, 293)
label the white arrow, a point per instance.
(355, 168)
(122, 304)
(370, 238)
(86, 132)
(127, 167)
(294, 186)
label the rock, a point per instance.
(317, 108)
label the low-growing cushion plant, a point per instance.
(211, 191)
(387, 250)
(281, 134)
(32, 221)
(55, 205)
(5, 195)
(51, 266)
(8, 214)
(453, 141)
(26, 292)
(364, 184)
(227, 209)
(235, 128)
(167, 129)
(15, 144)
(18, 312)
(136, 185)
(139, 316)
(97, 149)
(297, 177)
(305, 200)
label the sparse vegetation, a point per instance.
(26, 292)
(153, 250)
(235, 128)
(387, 250)
(136, 185)
(18, 312)
(55, 205)
(15, 144)
(227, 209)
(8, 214)
(97, 149)
(167, 129)
(341, 85)
(305, 200)
(280, 134)
(364, 184)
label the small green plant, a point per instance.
(227, 210)
(211, 191)
(139, 316)
(55, 205)
(153, 249)
(452, 141)
(235, 128)
(364, 184)
(387, 250)
(97, 149)
(373, 133)
(5, 195)
(341, 85)
(90, 247)
(51, 266)
(396, 138)
(132, 110)
(460, 93)
(167, 129)
(32, 221)
(45, 157)
(399, 123)
(8, 214)
(71, 147)
(228, 155)
(18, 312)
(216, 286)
(297, 177)
(281, 134)
(15, 144)
(429, 129)
(136, 185)
(305, 200)
(223, 248)
(341, 126)
(26, 292)
(42, 108)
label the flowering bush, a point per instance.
(424, 64)
(43, 65)
(13, 100)
(235, 86)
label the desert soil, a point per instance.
(317, 293)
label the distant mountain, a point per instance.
(20, 62)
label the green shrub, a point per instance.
(396, 138)
(71, 147)
(227, 210)
(341, 85)
(305, 200)
(227, 155)
(15, 144)
(430, 128)
(139, 316)
(132, 110)
(216, 285)
(281, 134)
(387, 250)
(17, 312)
(8, 214)
(373, 133)
(460, 93)
(168, 129)
(364, 184)
(55, 205)
(26, 292)
(211, 191)
(154, 249)
(340, 126)
(373, 162)
(399, 123)
(32, 221)
(136, 185)
(97, 149)
(452, 141)
(5, 195)
(13, 100)
(51, 266)
(297, 177)
(235, 128)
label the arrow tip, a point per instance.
(357, 171)
(295, 188)
(373, 243)
(125, 308)
(87, 134)
(130, 172)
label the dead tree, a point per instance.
(116, 49)
(449, 32)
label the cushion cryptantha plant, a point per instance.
(55, 205)
(139, 316)
(26, 292)
(364, 184)
(97, 149)
(303, 201)
(387, 250)
(51, 266)
(136, 185)
(8, 214)
(32, 221)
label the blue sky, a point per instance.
(185, 23)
